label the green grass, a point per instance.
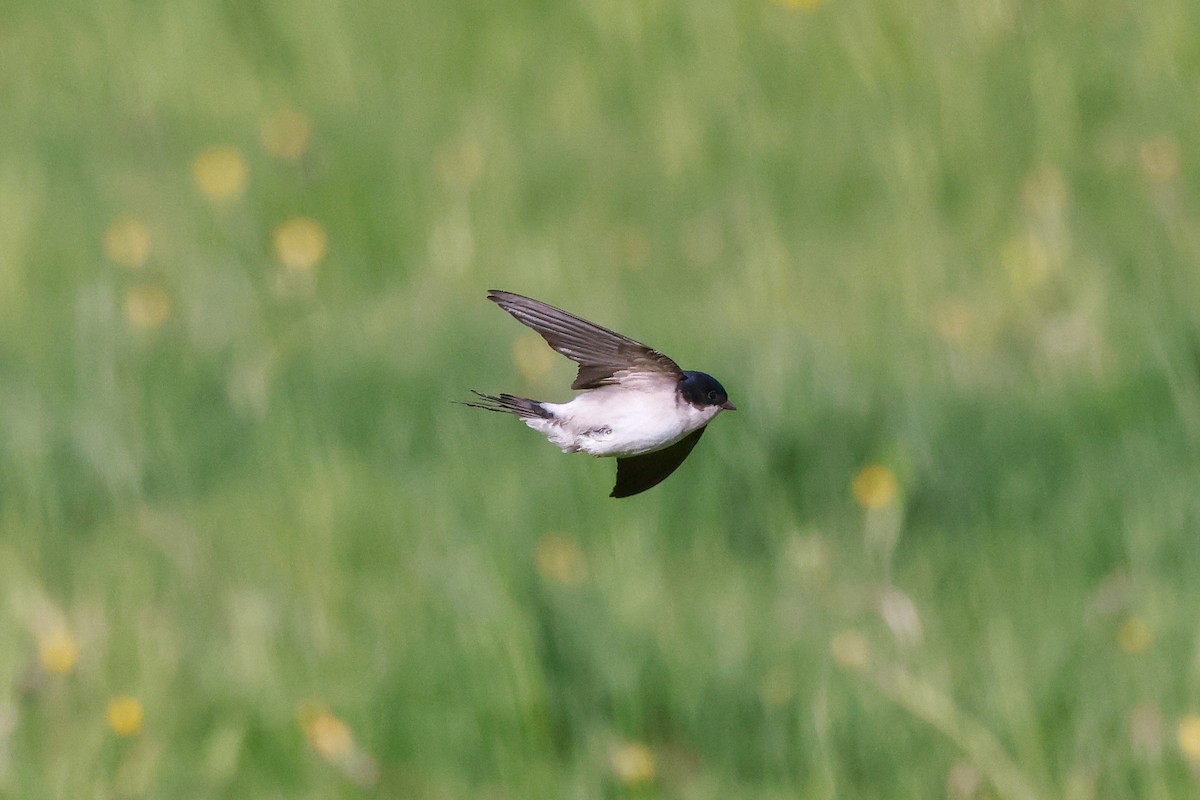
(959, 240)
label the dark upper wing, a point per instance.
(600, 353)
(639, 473)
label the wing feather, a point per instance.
(603, 355)
(636, 474)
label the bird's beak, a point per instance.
(728, 406)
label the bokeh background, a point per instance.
(943, 255)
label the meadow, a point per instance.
(942, 254)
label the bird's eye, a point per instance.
(712, 397)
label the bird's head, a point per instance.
(704, 391)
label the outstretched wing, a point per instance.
(603, 356)
(638, 473)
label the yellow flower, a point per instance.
(1134, 635)
(874, 486)
(334, 742)
(125, 716)
(560, 558)
(147, 306)
(631, 762)
(127, 242)
(285, 134)
(327, 734)
(802, 5)
(1189, 736)
(220, 173)
(57, 651)
(300, 243)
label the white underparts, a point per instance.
(622, 420)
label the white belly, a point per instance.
(618, 421)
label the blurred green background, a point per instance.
(943, 255)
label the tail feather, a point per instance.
(510, 404)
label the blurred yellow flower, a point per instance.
(850, 650)
(1189, 736)
(125, 715)
(300, 243)
(631, 762)
(534, 360)
(802, 5)
(1134, 635)
(220, 172)
(285, 134)
(147, 306)
(57, 651)
(327, 734)
(874, 486)
(127, 241)
(560, 558)
(334, 742)
(1159, 159)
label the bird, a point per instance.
(634, 403)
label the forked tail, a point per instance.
(510, 404)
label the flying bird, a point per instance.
(635, 404)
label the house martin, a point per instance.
(635, 404)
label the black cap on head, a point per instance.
(701, 390)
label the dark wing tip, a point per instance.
(501, 296)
